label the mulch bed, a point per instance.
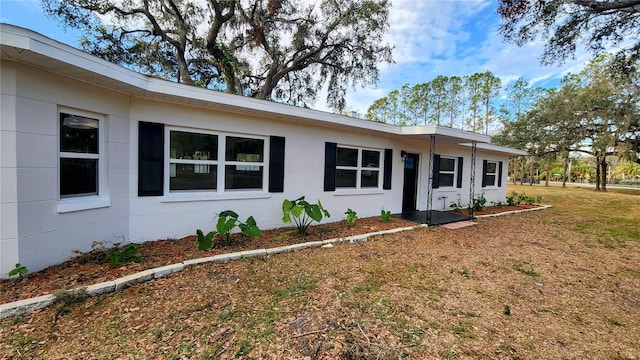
(80, 270)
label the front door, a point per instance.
(410, 187)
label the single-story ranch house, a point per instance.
(91, 151)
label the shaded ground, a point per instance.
(558, 283)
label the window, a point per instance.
(80, 158)
(197, 163)
(193, 161)
(447, 171)
(491, 173)
(357, 168)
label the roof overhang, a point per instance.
(28, 47)
(496, 149)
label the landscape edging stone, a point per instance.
(28, 305)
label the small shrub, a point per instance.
(385, 216)
(517, 199)
(117, 255)
(456, 206)
(352, 216)
(498, 204)
(205, 242)
(19, 270)
(129, 253)
(479, 203)
(302, 213)
(227, 221)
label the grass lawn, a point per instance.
(561, 283)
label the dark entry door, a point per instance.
(410, 187)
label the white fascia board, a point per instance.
(24, 41)
(444, 131)
(29, 40)
(135, 84)
(266, 108)
(497, 148)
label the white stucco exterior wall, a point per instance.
(33, 228)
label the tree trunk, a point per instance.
(522, 172)
(546, 182)
(598, 173)
(531, 172)
(565, 166)
(604, 174)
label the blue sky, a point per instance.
(431, 38)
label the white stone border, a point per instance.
(541, 207)
(28, 305)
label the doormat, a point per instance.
(459, 225)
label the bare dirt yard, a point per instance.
(561, 283)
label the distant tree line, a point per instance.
(462, 102)
(595, 112)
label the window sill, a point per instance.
(82, 203)
(358, 192)
(202, 196)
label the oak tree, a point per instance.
(600, 25)
(281, 50)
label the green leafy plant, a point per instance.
(117, 255)
(456, 206)
(205, 242)
(352, 216)
(512, 199)
(302, 213)
(19, 270)
(385, 215)
(498, 204)
(129, 253)
(516, 199)
(227, 221)
(479, 203)
(522, 198)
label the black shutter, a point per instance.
(436, 171)
(500, 174)
(459, 177)
(484, 173)
(388, 162)
(276, 164)
(330, 153)
(150, 159)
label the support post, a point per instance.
(432, 151)
(472, 184)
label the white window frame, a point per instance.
(495, 174)
(359, 168)
(220, 192)
(452, 172)
(84, 202)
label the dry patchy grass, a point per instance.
(553, 284)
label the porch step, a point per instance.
(459, 225)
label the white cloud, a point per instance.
(455, 38)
